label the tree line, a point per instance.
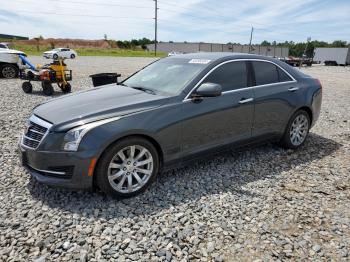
(298, 49)
(143, 42)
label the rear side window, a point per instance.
(268, 73)
(265, 73)
(283, 77)
(230, 76)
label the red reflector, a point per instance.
(92, 166)
(319, 82)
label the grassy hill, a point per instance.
(31, 49)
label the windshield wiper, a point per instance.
(144, 89)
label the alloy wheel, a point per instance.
(8, 72)
(299, 130)
(130, 169)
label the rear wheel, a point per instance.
(66, 88)
(127, 168)
(72, 56)
(9, 71)
(297, 130)
(27, 87)
(47, 88)
(55, 56)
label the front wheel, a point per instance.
(297, 130)
(72, 56)
(127, 168)
(27, 87)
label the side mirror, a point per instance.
(207, 90)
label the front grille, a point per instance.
(35, 133)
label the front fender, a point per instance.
(149, 125)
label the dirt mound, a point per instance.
(66, 42)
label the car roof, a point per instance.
(220, 55)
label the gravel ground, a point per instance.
(261, 204)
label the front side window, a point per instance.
(230, 76)
(168, 75)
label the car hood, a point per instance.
(95, 104)
(12, 51)
(50, 52)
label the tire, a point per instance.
(55, 56)
(47, 88)
(9, 71)
(72, 56)
(125, 171)
(66, 88)
(297, 130)
(27, 87)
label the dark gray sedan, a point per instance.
(119, 137)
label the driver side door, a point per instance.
(217, 121)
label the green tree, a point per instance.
(339, 43)
(265, 43)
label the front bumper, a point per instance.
(62, 169)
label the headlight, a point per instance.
(74, 136)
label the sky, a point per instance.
(220, 21)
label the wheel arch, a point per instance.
(308, 110)
(144, 136)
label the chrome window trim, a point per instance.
(245, 88)
(33, 118)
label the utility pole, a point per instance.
(304, 54)
(251, 37)
(155, 26)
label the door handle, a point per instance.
(293, 89)
(246, 100)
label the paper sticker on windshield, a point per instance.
(199, 61)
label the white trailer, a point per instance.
(10, 63)
(332, 55)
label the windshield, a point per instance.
(167, 76)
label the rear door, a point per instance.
(221, 120)
(275, 93)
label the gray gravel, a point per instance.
(260, 204)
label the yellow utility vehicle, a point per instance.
(55, 72)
